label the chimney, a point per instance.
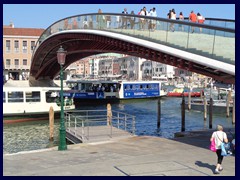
(11, 24)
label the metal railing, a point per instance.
(79, 122)
(214, 39)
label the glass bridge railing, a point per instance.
(214, 39)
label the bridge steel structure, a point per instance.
(209, 50)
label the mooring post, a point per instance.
(183, 113)
(229, 96)
(109, 114)
(159, 113)
(51, 123)
(210, 113)
(233, 111)
(205, 108)
(201, 94)
(189, 98)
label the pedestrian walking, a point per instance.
(200, 20)
(193, 19)
(181, 18)
(124, 19)
(153, 13)
(173, 17)
(219, 136)
(132, 20)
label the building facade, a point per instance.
(18, 46)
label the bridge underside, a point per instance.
(81, 45)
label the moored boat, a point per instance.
(179, 92)
(219, 106)
(113, 91)
(32, 101)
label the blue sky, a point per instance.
(43, 15)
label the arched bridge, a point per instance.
(209, 50)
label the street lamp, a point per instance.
(61, 55)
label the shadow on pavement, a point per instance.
(206, 165)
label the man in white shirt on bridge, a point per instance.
(153, 13)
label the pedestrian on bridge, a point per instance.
(100, 19)
(193, 19)
(181, 18)
(200, 20)
(124, 19)
(153, 13)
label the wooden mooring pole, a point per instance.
(205, 108)
(233, 112)
(51, 123)
(229, 96)
(159, 113)
(189, 98)
(109, 114)
(183, 113)
(210, 113)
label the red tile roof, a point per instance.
(22, 31)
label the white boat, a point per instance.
(219, 93)
(113, 91)
(162, 79)
(179, 85)
(219, 106)
(24, 101)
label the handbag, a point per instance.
(226, 148)
(213, 146)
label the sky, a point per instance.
(43, 15)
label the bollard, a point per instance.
(183, 113)
(109, 114)
(210, 113)
(233, 112)
(219, 97)
(189, 98)
(159, 113)
(205, 108)
(201, 94)
(228, 103)
(51, 123)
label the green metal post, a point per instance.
(62, 131)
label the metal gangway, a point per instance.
(86, 126)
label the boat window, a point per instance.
(4, 97)
(73, 86)
(15, 96)
(137, 86)
(33, 96)
(134, 87)
(131, 87)
(149, 86)
(52, 96)
(141, 86)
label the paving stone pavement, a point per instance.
(135, 156)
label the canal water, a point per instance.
(35, 135)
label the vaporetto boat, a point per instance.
(30, 101)
(93, 91)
